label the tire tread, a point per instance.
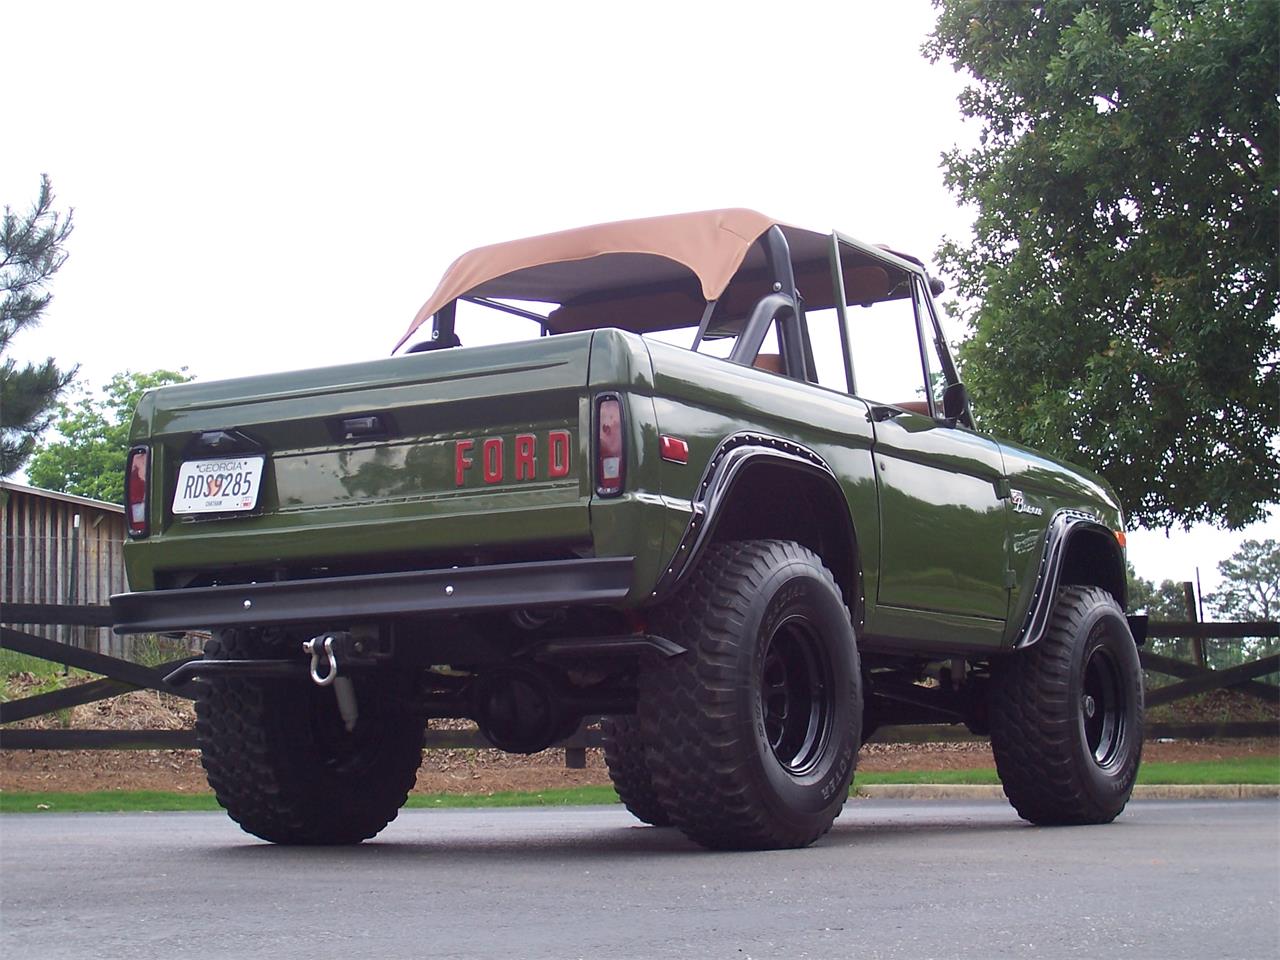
(697, 750)
(1033, 734)
(256, 776)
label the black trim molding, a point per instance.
(1063, 524)
(726, 464)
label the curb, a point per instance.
(1207, 791)
(958, 791)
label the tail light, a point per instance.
(136, 472)
(611, 464)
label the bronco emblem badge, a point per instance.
(1020, 504)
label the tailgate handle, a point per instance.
(370, 426)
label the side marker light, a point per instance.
(674, 450)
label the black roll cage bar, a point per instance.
(783, 305)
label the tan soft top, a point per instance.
(711, 244)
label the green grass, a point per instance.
(49, 676)
(981, 775)
(105, 801)
(151, 650)
(148, 649)
(564, 797)
(1245, 770)
(12, 662)
(149, 801)
(1251, 770)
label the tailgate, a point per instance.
(427, 454)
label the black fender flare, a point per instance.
(1064, 527)
(726, 467)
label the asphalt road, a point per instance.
(907, 879)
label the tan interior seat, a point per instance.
(769, 361)
(915, 406)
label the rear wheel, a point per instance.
(624, 755)
(284, 766)
(752, 735)
(1066, 714)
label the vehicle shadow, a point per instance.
(583, 835)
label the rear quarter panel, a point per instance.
(704, 400)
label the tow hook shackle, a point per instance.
(319, 648)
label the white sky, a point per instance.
(265, 186)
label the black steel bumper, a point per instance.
(462, 590)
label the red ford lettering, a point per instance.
(526, 459)
(493, 460)
(494, 467)
(461, 461)
(558, 449)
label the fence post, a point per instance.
(1193, 614)
(73, 580)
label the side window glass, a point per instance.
(720, 342)
(828, 349)
(882, 332)
(476, 325)
(937, 372)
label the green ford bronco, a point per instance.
(709, 477)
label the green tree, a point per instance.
(1121, 287)
(90, 460)
(1163, 602)
(1251, 583)
(31, 252)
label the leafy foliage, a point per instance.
(1121, 289)
(1251, 583)
(90, 460)
(31, 252)
(1163, 602)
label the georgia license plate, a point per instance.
(218, 486)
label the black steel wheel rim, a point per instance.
(1103, 708)
(797, 696)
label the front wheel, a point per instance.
(1066, 714)
(751, 736)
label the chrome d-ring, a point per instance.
(315, 647)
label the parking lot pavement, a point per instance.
(909, 879)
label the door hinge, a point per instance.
(1004, 490)
(1010, 579)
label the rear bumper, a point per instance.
(336, 599)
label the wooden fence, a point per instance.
(57, 548)
(122, 676)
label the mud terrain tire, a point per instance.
(283, 765)
(752, 735)
(624, 755)
(1066, 714)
